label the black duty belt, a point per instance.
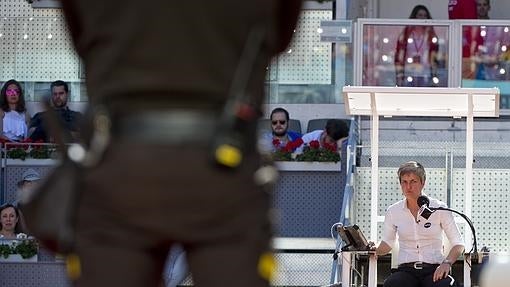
(166, 126)
(417, 265)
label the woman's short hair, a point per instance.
(412, 167)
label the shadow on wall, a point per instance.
(309, 94)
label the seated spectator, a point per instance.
(13, 113)
(334, 131)
(70, 120)
(280, 134)
(9, 222)
(28, 180)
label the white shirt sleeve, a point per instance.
(450, 228)
(389, 229)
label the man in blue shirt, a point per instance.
(280, 134)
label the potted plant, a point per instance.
(19, 249)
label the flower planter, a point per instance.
(308, 166)
(31, 162)
(18, 258)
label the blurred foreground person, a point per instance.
(183, 83)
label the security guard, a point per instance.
(183, 83)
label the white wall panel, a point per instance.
(307, 60)
(35, 44)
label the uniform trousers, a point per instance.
(411, 277)
(143, 197)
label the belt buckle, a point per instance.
(418, 265)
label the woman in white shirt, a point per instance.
(14, 117)
(421, 260)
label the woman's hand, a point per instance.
(373, 248)
(441, 272)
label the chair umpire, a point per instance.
(165, 70)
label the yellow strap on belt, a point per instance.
(267, 266)
(228, 155)
(73, 266)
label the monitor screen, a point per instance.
(353, 238)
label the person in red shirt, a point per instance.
(462, 9)
(466, 9)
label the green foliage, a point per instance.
(18, 152)
(5, 250)
(282, 155)
(318, 154)
(26, 248)
(26, 150)
(40, 152)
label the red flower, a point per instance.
(314, 144)
(291, 146)
(276, 143)
(331, 147)
(297, 143)
(288, 148)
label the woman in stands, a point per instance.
(9, 222)
(14, 117)
(416, 54)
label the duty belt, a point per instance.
(417, 265)
(166, 126)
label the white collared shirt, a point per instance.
(422, 240)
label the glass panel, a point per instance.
(415, 56)
(486, 59)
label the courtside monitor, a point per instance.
(353, 238)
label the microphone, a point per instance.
(423, 203)
(423, 200)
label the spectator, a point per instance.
(334, 131)
(466, 9)
(416, 54)
(492, 41)
(461, 9)
(482, 9)
(9, 217)
(28, 180)
(421, 259)
(13, 113)
(280, 134)
(69, 120)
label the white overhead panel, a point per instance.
(422, 101)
